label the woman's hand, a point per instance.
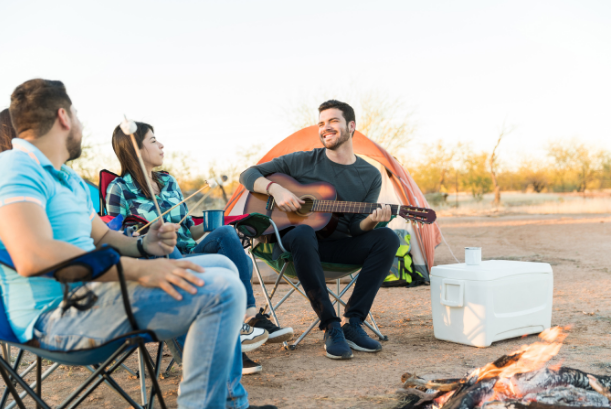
(168, 273)
(160, 239)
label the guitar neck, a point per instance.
(337, 206)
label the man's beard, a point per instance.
(73, 146)
(343, 138)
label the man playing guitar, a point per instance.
(354, 241)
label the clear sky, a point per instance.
(213, 76)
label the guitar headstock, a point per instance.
(418, 214)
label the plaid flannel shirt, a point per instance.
(123, 197)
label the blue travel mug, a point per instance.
(213, 219)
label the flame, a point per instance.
(528, 358)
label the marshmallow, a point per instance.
(128, 126)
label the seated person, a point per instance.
(129, 195)
(353, 242)
(47, 217)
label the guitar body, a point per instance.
(325, 222)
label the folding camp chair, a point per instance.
(252, 228)
(103, 360)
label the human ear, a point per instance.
(64, 118)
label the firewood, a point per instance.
(596, 385)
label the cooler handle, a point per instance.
(446, 284)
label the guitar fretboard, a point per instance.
(337, 206)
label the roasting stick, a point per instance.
(129, 127)
(170, 209)
(197, 204)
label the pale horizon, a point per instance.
(214, 77)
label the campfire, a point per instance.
(523, 379)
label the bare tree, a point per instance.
(382, 118)
(492, 162)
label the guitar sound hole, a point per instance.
(306, 208)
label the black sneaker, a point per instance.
(357, 338)
(276, 334)
(335, 343)
(249, 366)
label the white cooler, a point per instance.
(495, 300)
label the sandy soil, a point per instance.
(577, 247)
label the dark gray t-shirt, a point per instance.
(358, 182)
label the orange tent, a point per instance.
(428, 236)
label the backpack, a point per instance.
(403, 271)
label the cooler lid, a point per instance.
(490, 270)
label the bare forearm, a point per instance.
(261, 184)
(197, 231)
(126, 245)
(367, 224)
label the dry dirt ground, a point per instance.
(577, 247)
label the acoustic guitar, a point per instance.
(321, 210)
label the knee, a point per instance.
(302, 234)
(387, 239)
(226, 231)
(215, 260)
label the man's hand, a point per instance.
(160, 239)
(286, 200)
(164, 273)
(381, 214)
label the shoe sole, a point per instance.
(255, 343)
(357, 347)
(252, 370)
(281, 335)
(341, 357)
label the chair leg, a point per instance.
(39, 379)
(338, 306)
(96, 374)
(11, 388)
(263, 288)
(5, 370)
(157, 369)
(304, 334)
(141, 369)
(271, 295)
(23, 394)
(149, 365)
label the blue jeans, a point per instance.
(225, 241)
(211, 320)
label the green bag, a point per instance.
(403, 271)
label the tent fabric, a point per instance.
(404, 188)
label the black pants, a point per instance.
(374, 251)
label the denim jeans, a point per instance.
(211, 320)
(225, 241)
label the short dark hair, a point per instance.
(6, 131)
(34, 105)
(345, 108)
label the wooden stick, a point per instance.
(197, 204)
(170, 209)
(146, 177)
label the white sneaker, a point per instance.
(252, 338)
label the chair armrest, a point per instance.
(83, 268)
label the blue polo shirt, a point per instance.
(27, 175)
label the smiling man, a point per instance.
(353, 242)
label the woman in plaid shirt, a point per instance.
(129, 195)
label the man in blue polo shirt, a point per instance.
(46, 217)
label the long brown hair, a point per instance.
(6, 131)
(124, 149)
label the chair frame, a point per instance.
(336, 298)
(101, 371)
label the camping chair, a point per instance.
(252, 227)
(103, 360)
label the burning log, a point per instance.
(518, 380)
